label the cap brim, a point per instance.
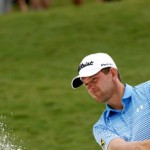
(76, 82)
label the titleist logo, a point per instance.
(85, 65)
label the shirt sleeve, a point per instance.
(149, 91)
(103, 135)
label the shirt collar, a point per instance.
(127, 94)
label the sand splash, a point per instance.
(7, 140)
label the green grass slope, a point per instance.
(39, 55)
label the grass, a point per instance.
(39, 55)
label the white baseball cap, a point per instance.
(90, 65)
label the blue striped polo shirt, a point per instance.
(132, 123)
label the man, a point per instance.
(5, 6)
(78, 2)
(22, 5)
(125, 123)
(40, 4)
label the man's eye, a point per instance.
(94, 80)
(86, 84)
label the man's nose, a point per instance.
(90, 87)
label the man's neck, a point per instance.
(116, 100)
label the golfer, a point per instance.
(125, 123)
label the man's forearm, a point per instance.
(119, 144)
(143, 145)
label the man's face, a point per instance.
(100, 86)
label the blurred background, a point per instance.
(41, 45)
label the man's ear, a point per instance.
(114, 72)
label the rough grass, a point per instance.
(39, 55)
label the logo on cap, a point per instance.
(82, 65)
(108, 64)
